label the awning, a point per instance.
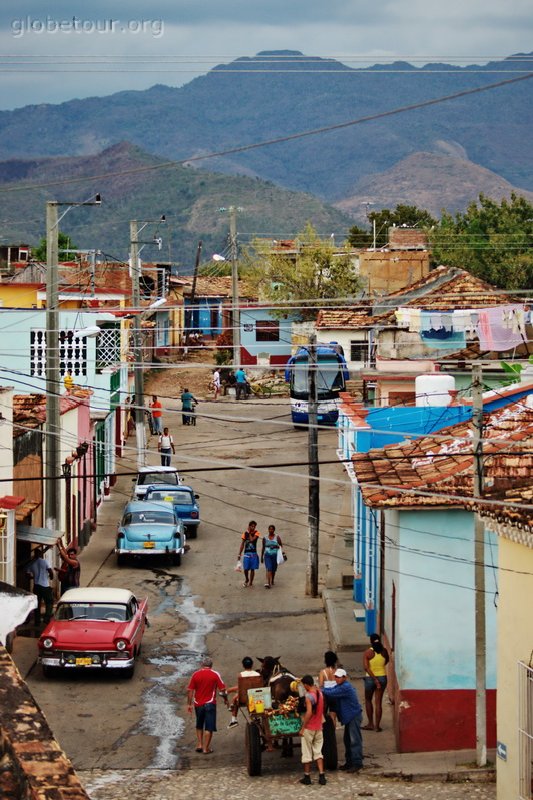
(25, 510)
(28, 533)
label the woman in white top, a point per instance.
(327, 678)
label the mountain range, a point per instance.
(136, 185)
(439, 155)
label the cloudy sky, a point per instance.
(65, 49)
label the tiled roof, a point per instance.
(345, 318)
(508, 514)
(218, 286)
(29, 410)
(443, 463)
(443, 289)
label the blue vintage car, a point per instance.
(185, 503)
(150, 529)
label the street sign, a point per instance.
(501, 751)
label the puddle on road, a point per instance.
(161, 718)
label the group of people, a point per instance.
(272, 554)
(334, 695)
(42, 575)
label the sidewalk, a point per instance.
(349, 640)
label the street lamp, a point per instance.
(53, 420)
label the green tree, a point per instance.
(316, 274)
(491, 240)
(410, 216)
(65, 243)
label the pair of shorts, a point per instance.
(250, 561)
(312, 742)
(206, 717)
(370, 684)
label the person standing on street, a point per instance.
(188, 401)
(156, 410)
(165, 446)
(69, 571)
(248, 671)
(375, 661)
(349, 714)
(41, 572)
(326, 678)
(311, 731)
(248, 549)
(272, 545)
(216, 384)
(202, 692)
(241, 384)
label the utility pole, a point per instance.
(235, 312)
(193, 292)
(138, 411)
(52, 471)
(53, 385)
(311, 584)
(479, 570)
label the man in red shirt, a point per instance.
(202, 690)
(157, 413)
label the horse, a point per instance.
(277, 677)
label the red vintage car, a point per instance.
(94, 628)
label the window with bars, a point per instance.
(72, 353)
(107, 346)
(525, 730)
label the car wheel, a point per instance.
(121, 559)
(48, 672)
(176, 559)
(192, 532)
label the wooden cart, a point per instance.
(263, 728)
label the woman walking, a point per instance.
(272, 546)
(375, 661)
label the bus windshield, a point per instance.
(330, 379)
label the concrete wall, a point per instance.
(345, 338)
(275, 352)
(435, 636)
(387, 271)
(515, 641)
(6, 440)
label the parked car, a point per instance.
(150, 475)
(150, 529)
(185, 503)
(94, 628)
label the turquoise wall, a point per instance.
(435, 635)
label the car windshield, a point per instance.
(148, 518)
(111, 612)
(177, 496)
(158, 477)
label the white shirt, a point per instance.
(166, 442)
(216, 378)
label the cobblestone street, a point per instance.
(212, 783)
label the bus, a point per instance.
(331, 377)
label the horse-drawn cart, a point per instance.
(273, 726)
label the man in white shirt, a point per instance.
(247, 672)
(166, 447)
(216, 384)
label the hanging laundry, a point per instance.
(495, 330)
(437, 332)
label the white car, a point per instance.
(148, 476)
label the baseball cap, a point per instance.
(340, 673)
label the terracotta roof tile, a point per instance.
(444, 464)
(345, 317)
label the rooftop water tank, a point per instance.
(434, 389)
